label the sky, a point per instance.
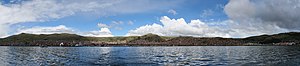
(108, 18)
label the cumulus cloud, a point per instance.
(171, 11)
(198, 28)
(103, 32)
(179, 27)
(45, 10)
(3, 28)
(101, 25)
(154, 28)
(247, 18)
(46, 30)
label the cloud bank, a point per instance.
(47, 30)
(282, 13)
(246, 18)
(103, 32)
(179, 27)
(264, 16)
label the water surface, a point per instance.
(149, 56)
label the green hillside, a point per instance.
(281, 37)
(71, 39)
(31, 37)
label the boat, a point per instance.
(61, 44)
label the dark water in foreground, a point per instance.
(137, 56)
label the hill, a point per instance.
(291, 38)
(33, 39)
(30, 37)
(276, 38)
(148, 38)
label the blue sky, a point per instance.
(126, 18)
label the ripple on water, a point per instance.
(137, 56)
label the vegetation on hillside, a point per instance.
(276, 38)
(148, 39)
(31, 37)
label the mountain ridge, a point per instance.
(23, 39)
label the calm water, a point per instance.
(149, 56)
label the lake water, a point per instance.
(151, 56)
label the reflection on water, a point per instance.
(182, 55)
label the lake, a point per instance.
(151, 56)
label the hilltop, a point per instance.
(291, 38)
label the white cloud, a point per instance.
(154, 28)
(38, 11)
(171, 11)
(177, 27)
(114, 24)
(130, 23)
(46, 30)
(101, 25)
(197, 28)
(207, 13)
(3, 28)
(117, 22)
(104, 32)
(45, 10)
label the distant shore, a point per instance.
(110, 44)
(133, 45)
(73, 40)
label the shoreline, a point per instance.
(73, 40)
(148, 45)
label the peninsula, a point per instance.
(64, 39)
